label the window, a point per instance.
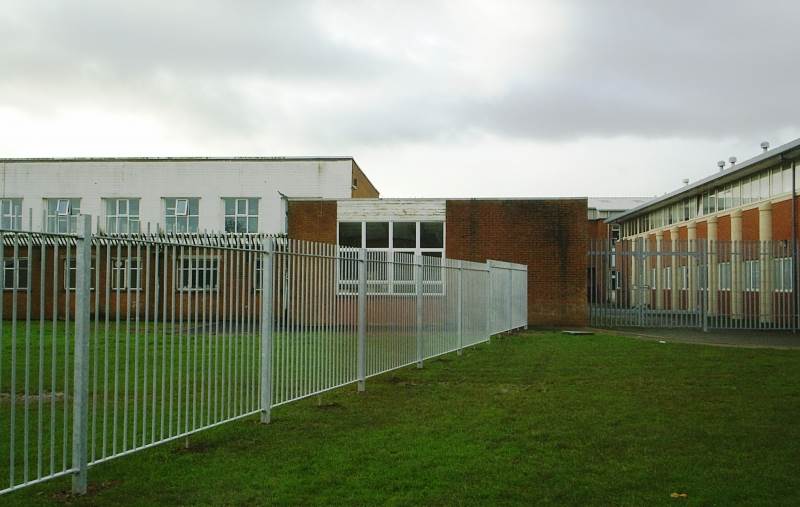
(11, 214)
(122, 216)
(15, 273)
(616, 281)
(181, 214)
(783, 274)
(752, 275)
(391, 247)
(724, 275)
(198, 273)
(241, 215)
(71, 274)
(667, 278)
(62, 215)
(684, 277)
(125, 273)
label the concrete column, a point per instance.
(691, 237)
(765, 264)
(713, 282)
(736, 264)
(676, 271)
(659, 270)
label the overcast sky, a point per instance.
(462, 98)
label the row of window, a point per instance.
(392, 246)
(181, 214)
(751, 276)
(762, 185)
(193, 273)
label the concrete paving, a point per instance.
(727, 338)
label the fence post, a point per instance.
(362, 319)
(267, 318)
(460, 307)
(80, 417)
(510, 299)
(489, 302)
(418, 281)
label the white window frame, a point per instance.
(247, 215)
(752, 275)
(781, 272)
(667, 278)
(197, 263)
(184, 217)
(11, 219)
(724, 276)
(13, 268)
(120, 270)
(117, 216)
(72, 267)
(62, 221)
(389, 285)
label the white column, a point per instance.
(691, 237)
(676, 268)
(713, 284)
(736, 264)
(659, 271)
(765, 237)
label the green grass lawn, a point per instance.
(534, 418)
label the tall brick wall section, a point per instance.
(550, 236)
(313, 221)
(364, 187)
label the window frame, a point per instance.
(181, 275)
(54, 219)
(393, 286)
(185, 218)
(14, 216)
(15, 267)
(117, 216)
(237, 214)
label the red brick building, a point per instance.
(548, 235)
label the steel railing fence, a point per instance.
(693, 283)
(508, 296)
(113, 344)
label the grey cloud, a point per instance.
(654, 69)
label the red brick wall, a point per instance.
(550, 236)
(313, 221)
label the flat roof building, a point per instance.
(176, 194)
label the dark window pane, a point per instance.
(350, 234)
(377, 235)
(431, 234)
(404, 234)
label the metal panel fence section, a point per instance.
(693, 283)
(508, 296)
(110, 345)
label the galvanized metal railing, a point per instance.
(693, 283)
(113, 344)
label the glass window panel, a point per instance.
(377, 234)
(229, 206)
(431, 234)
(350, 234)
(404, 234)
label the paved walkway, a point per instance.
(731, 338)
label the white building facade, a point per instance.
(182, 195)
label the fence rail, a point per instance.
(693, 283)
(113, 344)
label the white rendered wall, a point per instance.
(152, 180)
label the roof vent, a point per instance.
(732, 160)
(765, 145)
(685, 181)
(721, 165)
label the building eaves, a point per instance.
(736, 171)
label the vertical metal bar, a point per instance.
(460, 306)
(267, 306)
(80, 417)
(362, 319)
(419, 309)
